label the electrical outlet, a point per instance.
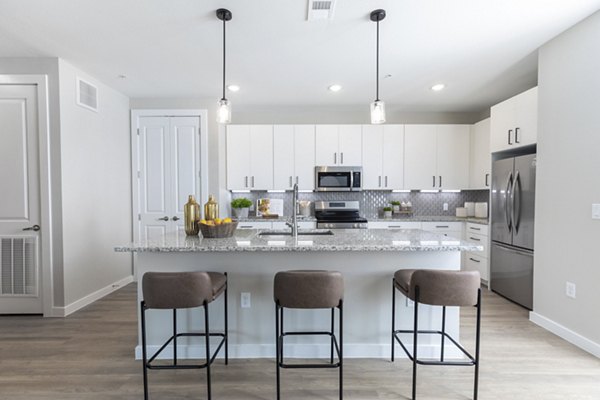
(571, 290)
(245, 300)
(445, 206)
(409, 302)
(595, 211)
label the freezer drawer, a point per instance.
(511, 273)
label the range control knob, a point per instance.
(355, 225)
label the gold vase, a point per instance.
(191, 215)
(211, 209)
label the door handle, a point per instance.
(509, 132)
(246, 181)
(472, 259)
(508, 191)
(517, 135)
(252, 180)
(379, 180)
(341, 157)
(34, 228)
(290, 181)
(386, 181)
(176, 218)
(163, 219)
(334, 158)
(516, 214)
(297, 180)
(486, 180)
(440, 181)
(475, 239)
(433, 180)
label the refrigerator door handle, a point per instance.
(517, 190)
(508, 196)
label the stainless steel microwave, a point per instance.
(338, 179)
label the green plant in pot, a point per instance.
(240, 207)
(395, 205)
(387, 212)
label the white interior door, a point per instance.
(169, 172)
(20, 275)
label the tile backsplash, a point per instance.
(372, 201)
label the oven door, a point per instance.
(334, 181)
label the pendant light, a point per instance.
(378, 106)
(224, 106)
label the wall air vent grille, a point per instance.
(87, 95)
(320, 9)
(18, 267)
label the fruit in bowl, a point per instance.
(217, 228)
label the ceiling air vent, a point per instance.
(320, 9)
(87, 95)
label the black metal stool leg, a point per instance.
(332, 327)
(144, 354)
(443, 333)
(477, 336)
(226, 325)
(174, 336)
(277, 350)
(341, 349)
(207, 349)
(415, 336)
(393, 314)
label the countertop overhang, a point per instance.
(359, 240)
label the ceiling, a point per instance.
(483, 50)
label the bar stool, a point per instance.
(437, 288)
(309, 290)
(177, 290)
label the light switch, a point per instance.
(595, 211)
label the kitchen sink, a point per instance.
(317, 232)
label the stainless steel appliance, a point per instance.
(513, 212)
(338, 179)
(339, 215)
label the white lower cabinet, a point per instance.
(255, 225)
(275, 225)
(451, 229)
(477, 260)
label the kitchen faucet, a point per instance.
(294, 224)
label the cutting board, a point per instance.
(275, 206)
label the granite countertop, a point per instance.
(341, 240)
(418, 218)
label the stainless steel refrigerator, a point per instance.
(513, 213)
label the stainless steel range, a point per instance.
(339, 215)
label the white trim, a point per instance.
(135, 116)
(353, 350)
(46, 265)
(566, 334)
(90, 298)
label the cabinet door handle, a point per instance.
(395, 227)
(509, 132)
(386, 181)
(440, 181)
(246, 181)
(442, 226)
(245, 226)
(290, 181)
(472, 259)
(486, 179)
(252, 180)
(379, 180)
(475, 229)
(517, 135)
(434, 181)
(341, 157)
(475, 239)
(335, 158)
(297, 180)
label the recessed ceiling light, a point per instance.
(335, 88)
(438, 87)
(233, 88)
(121, 76)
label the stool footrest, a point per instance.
(188, 366)
(471, 361)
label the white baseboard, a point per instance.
(354, 350)
(90, 298)
(566, 334)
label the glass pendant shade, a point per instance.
(224, 111)
(377, 112)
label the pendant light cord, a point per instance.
(224, 58)
(377, 68)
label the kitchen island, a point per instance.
(366, 257)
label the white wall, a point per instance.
(568, 182)
(96, 188)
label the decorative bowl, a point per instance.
(218, 231)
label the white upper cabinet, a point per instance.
(250, 157)
(383, 157)
(436, 157)
(481, 157)
(294, 156)
(453, 156)
(338, 145)
(514, 121)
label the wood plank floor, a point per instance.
(89, 355)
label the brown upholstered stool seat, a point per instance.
(308, 289)
(170, 290)
(402, 280)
